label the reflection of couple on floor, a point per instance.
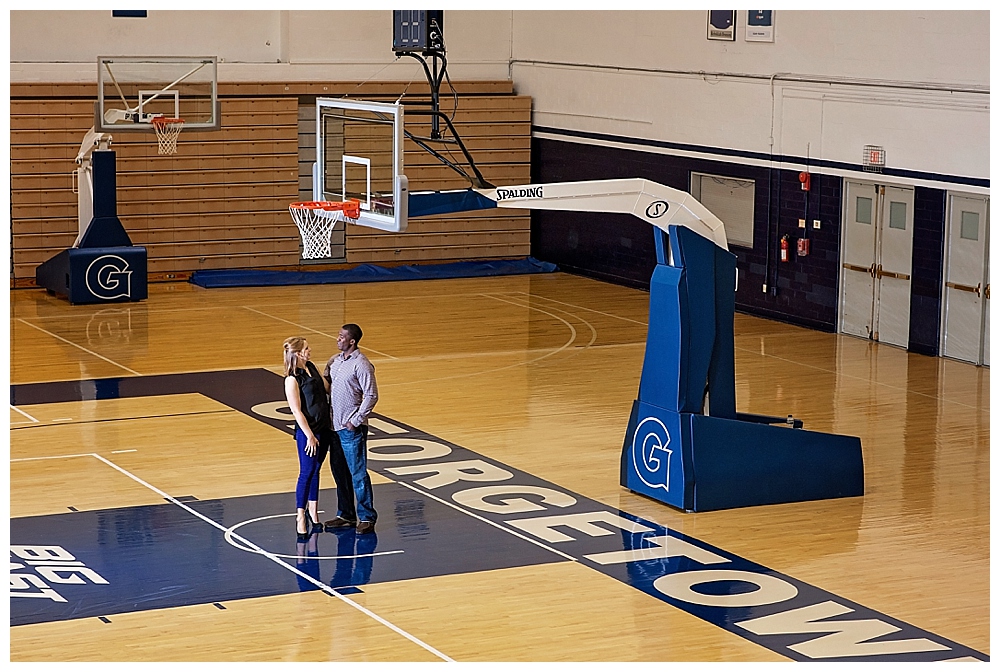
(349, 570)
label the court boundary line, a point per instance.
(77, 345)
(70, 421)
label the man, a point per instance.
(353, 394)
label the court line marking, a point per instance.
(16, 422)
(315, 331)
(593, 331)
(591, 310)
(270, 556)
(229, 539)
(86, 421)
(564, 346)
(76, 345)
(485, 520)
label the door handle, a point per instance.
(890, 274)
(859, 269)
(969, 288)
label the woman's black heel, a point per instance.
(303, 536)
(312, 524)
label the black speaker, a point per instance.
(418, 30)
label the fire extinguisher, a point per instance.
(784, 248)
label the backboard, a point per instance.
(359, 155)
(132, 90)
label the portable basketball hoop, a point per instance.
(316, 220)
(167, 129)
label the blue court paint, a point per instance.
(449, 510)
(160, 556)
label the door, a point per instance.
(965, 326)
(877, 260)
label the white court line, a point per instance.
(593, 331)
(567, 344)
(573, 305)
(76, 345)
(486, 520)
(22, 413)
(230, 534)
(270, 556)
(49, 457)
(315, 331)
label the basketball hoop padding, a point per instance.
(316, 221)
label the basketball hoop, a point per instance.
(167, 129)
(316, 220)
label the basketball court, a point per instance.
(153, 465)
(152, 474)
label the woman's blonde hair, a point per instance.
(293, 346)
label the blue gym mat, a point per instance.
(371, 273)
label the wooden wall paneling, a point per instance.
(222, 200)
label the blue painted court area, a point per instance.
(171, 555)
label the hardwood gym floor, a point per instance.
(149, 451)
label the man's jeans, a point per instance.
(355, 450)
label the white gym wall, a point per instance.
(914, 82)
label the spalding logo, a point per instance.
(650, 455)
(657, 209)
(108, 278)
(523, 192)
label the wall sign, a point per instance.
(722, 24)
(760, 25)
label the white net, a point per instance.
(167, 131)
(315, 226)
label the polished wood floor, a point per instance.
(536, 372)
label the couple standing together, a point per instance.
(331, 416)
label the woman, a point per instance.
(306, 392)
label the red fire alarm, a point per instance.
(805, 179)
(802, 247)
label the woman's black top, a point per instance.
(312, 397)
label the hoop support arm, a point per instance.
(654, 203)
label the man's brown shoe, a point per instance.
(364, 527)
(338, 522)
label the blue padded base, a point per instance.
(371, 273)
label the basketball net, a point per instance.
(167, 130)
(316, 221)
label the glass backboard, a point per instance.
(359, 155)
(132, 90)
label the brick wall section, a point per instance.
(806, 286)
(619, 248)
(928, 265)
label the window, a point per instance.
(729, 199)
(863, 210)
(970, 225)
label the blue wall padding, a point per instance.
(371, 273)
(441, 202)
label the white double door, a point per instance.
(966, 301)
(876, 262)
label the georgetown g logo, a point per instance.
(650, 455)
(108, 277)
